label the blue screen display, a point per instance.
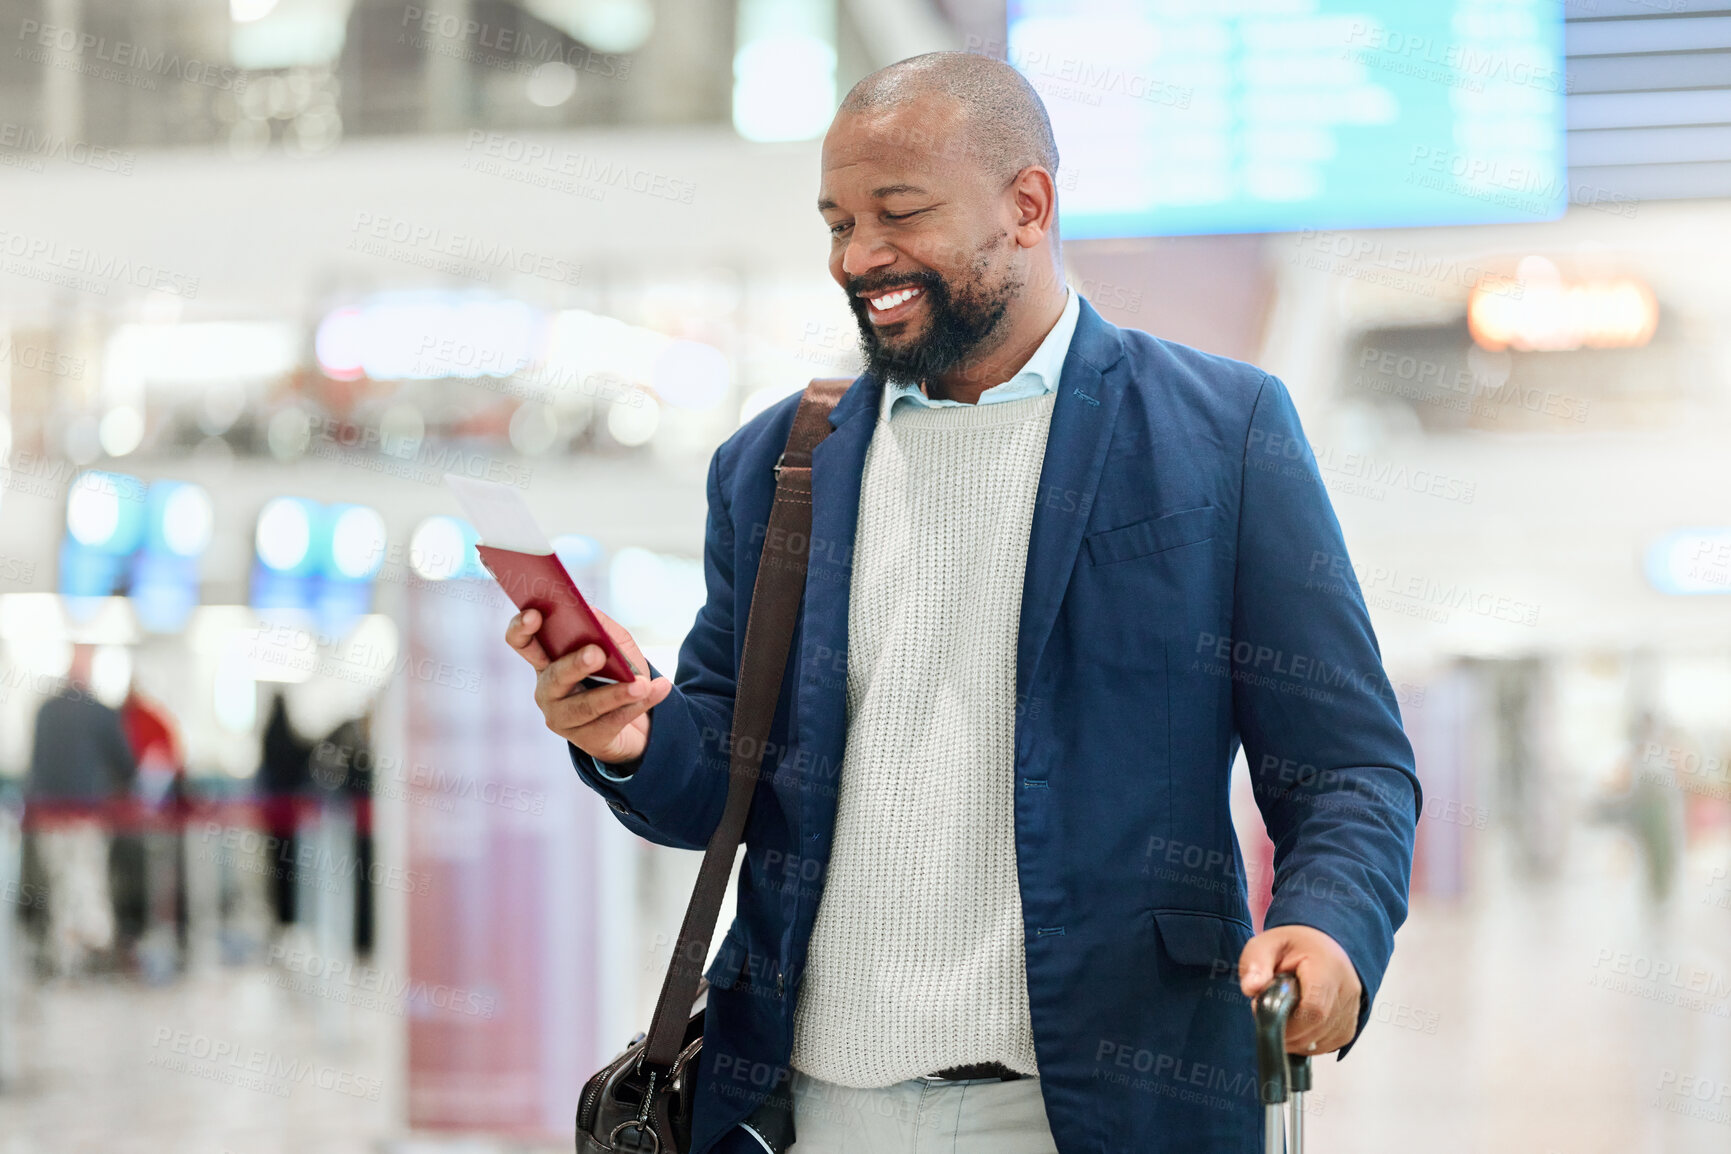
(1212, 116)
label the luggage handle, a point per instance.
(1282, 1078)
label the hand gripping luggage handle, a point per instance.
(1277, 1071)
(1280, 1076)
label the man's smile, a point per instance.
(896, 305)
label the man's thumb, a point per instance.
(1256, 964)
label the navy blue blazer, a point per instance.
(1187, 589)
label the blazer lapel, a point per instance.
(1082, 417)
(837, 471)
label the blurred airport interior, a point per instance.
(287, 858)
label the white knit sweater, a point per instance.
(916, 959)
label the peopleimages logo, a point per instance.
(420, 459)
(249, 851)
(23, 138)
(1329, 573)
(1481, 394)
(1525, 67)
(355, 983)
(1378, 255)
(253, 1067)
(432, 246)
(1269, 667)
(585, 170)
(42, 360)
(445, 785)
(132, 63)
(87, 269)
(1662, 980)
(511, 48)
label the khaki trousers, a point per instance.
(920, 1117)
(74, 857)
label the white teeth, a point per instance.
(891, 300)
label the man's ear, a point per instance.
(1035, 200)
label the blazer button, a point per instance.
(780, 985)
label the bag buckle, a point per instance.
(653, 1147)
(640, 1124)
(777, 470)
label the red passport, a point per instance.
(539, 581)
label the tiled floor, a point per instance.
(223, 1065)
(1528, 1021)
(1515, 1023)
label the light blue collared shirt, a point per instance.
(1038, 377)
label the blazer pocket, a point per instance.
(1154, 535)
(1201, 939)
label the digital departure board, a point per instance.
(1212, 116)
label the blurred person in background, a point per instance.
(1648, 802)
(147, 867)
(155, 740)
(80, 769)
(1066, 565)
(284, 784)
(342, 764)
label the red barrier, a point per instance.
(128, 815)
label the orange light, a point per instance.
(1540, 312)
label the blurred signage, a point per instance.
(321, 558)
(507, 879)
(1691, 562)
(124, 536)
(1542, 312)
(443, 549)
(568, 353)
(1174, 117)
(427, 336)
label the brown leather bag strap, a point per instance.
(775, 601)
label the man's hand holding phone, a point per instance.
(608, 722)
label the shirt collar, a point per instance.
(1036, 378)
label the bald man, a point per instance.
(991, 901)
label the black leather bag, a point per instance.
(641, 1102)
(632, 1106)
